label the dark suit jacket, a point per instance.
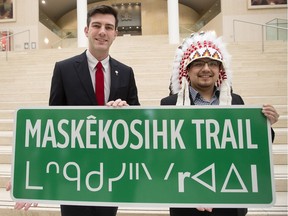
(236, 100)
(72, 84)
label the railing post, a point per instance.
(9, 36)
(29, 39)
(7, 42)
(234, 31)
(277, 24)
(262, 38)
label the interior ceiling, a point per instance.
(55, 9)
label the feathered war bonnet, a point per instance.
(197, 46)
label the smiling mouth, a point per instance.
(101, 40)
(205, 76)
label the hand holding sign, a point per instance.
(20, 205)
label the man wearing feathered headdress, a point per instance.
(202, 76)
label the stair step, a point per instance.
(281, 109)
(280, 154)
(7, 114)
(282, 122)
(276, 101)
(5, 154)
(280, 135)
(6, 124)
(6, 138)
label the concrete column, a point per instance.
(173, 21)
(81, 22)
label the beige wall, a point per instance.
(238, 9)
(26, 22)
(154, 16)
(224, 25)
(215, 25)
(44, 32)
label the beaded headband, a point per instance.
(197, 46)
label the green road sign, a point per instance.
(165, 156)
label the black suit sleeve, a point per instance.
(57, 93)
(170, 100)
(237, 99)
(123, 84)
(132, 97)
(71, 83)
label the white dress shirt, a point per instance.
(92, 62)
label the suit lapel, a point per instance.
(81, 66)
(115, 73)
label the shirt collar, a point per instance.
(92, 61)
(195, 94)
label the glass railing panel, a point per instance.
(273, 33)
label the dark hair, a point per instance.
(102, 9)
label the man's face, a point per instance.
(101, 33)
(204, 73)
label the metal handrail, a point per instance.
(10, 35)
(277, 19)
(262, 25)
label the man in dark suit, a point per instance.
(74, 83)
(201, 76)
(74, 80)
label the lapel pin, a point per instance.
(116, 72)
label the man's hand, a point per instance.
(205, 209)
(117, 103)
(20, 205)
(270, 112)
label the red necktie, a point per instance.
(99, 81)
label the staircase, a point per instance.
(258, 77)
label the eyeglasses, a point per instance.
(200, 64)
